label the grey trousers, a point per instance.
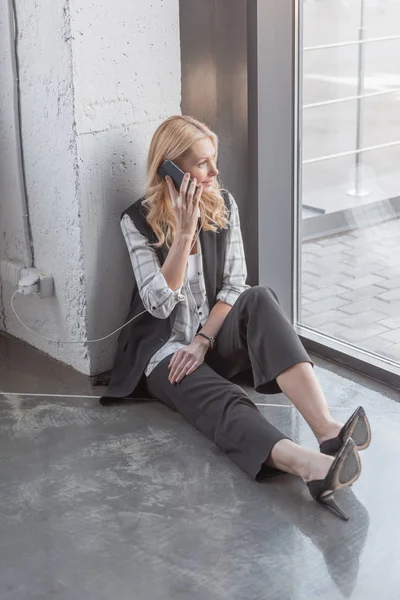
(256, 334)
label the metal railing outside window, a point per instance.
(359, 97)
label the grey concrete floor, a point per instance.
(130, 502)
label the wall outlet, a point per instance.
(46, 285)
(11, 271)
(45, 282)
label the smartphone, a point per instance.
(169, 168)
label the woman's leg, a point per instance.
(293, 458)
(257, 333)
(301, 386)
(226, 415)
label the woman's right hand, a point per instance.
(185, 204)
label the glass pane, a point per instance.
(329, 22)
(350, 255)
(382, 17)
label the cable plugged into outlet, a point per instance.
(29, 283)
(34, 281)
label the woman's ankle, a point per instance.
(329, 431)
(316, 467)
(293, 458)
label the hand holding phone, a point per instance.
(169, 168)
(185, 202)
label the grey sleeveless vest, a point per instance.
(140, 340)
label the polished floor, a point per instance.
(130, 502)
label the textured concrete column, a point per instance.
(95, 81)
(127, 80)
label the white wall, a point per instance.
(127, 80)
(87, 123)
(52, 179)
(11, 237)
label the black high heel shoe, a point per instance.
(356, 427)
(344, 471)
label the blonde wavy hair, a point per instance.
(172, 140)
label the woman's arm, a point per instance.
(160, 287)
(235, 270)
(174, 267)
(214, 322)
(157, 297)
(186, 206)
(234, 276)
(186, 360)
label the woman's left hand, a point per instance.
(186, 360)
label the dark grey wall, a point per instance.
(215, 90)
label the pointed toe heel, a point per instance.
(356, 427)
(330, 503)
(345, 470)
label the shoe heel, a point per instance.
(330, 503)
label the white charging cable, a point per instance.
(67, 341)
(29, 285)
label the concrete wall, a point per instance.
(127, 80)
(10, 219)
(47, 102)
(96, 81)
(12, 238)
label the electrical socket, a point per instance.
(13, 271)
(45, 283)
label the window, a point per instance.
(349, 278)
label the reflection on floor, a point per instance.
(351, 287)
(129, 502)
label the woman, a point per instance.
(198, 324)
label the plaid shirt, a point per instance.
(159, 300)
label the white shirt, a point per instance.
(193, 267)
(159, 300)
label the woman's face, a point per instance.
(200, 162)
